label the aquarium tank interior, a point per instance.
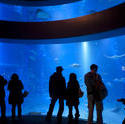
(35, 63)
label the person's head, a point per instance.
(72, 76)
(94, 68)
(59, 69)
(14, 76)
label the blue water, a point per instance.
(52, 13)
(35, 64)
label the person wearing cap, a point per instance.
(91, 79)
(57, 89)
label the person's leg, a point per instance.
(61, 108)
(77, 112)
(70, 116)
(19, 111)
(123, 122)
(3, 109)
(51, 107)
(13, 110)
(99, 109)
(90, 108)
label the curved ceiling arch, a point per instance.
(100, 22)
(38, 2)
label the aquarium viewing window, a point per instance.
(34, 56)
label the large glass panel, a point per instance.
(51, 13)
(35, 63)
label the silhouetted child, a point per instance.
(73, 96)
(3, 82)
(15, 87)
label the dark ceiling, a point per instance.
(37, 2)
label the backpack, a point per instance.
(101, 90)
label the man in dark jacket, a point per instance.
(3, 82)
(93, 97)
(57, 88)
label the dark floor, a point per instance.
(40, 120)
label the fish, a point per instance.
(109, 84)
(123, 68)
(115, 56)
(119, 79)
(41, 14)
(116, 110)
(75, 65)
(91, 11)
(32, 58)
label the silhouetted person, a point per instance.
(73, 95)
(123, 101)
(3, 82)
(93, 98)
(15, 87)
(57, 88)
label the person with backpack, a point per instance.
(96, 92)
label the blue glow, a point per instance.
(52, 13)
(35, 64)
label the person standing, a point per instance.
(16, 98)
(73, 96)
(91, 79)
(57, 88)
(3, 82)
